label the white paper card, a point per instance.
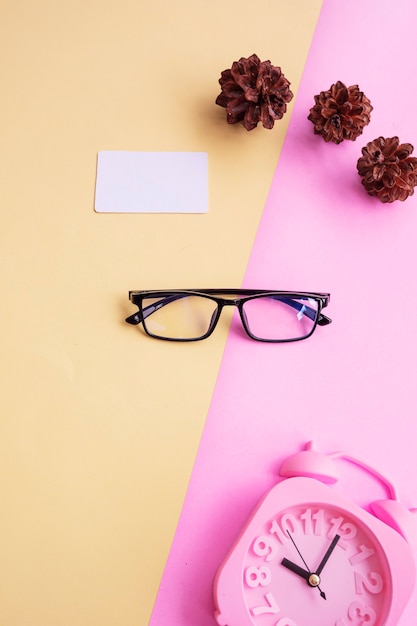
(151, 182)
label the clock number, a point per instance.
(258, 576)
(372, 582)
(266, 547)
(361, 615)
(362, 554)
(285, 622)
(275, 529)
(344, 529)
(288, 524)
(313, 522)
(270, 607)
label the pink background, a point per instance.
(352, 385)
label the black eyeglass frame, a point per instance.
(137, 297)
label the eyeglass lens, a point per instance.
(185, 317)
(270, 318)
(273, 318)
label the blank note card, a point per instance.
(151, 182)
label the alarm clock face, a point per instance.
(315, 565)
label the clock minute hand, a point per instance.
(327, 555)
(299, 553)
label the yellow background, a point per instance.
(99, 424)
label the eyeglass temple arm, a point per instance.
(323, 320)
(304, 309)
(138, 317)
(308, 311)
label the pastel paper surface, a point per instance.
(352, 385)
(151, 182)
(100, 425)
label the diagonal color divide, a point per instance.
(343, 387)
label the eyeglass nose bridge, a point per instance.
(229, 302)
(235, 302)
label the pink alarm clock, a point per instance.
(308, 556)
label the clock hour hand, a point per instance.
(296, 569)
(327, 555)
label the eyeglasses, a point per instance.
(192, 314)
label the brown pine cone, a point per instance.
(253, 91)
(340, 113)
(387, 170)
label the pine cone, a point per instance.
(253, 91)
(387, 170)
(340, 113)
